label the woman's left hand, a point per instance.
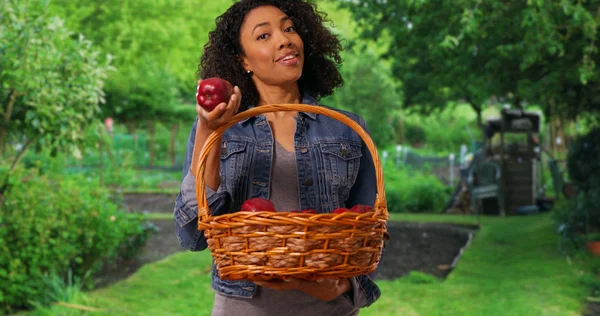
(325, 290)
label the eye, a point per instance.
(290, 29)
(263, 36)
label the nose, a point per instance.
(284, 41)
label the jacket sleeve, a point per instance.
(364, 191)
(186, 204)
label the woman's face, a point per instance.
(273, 51)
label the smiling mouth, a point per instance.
(287, 58)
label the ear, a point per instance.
(244, 62)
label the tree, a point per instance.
(51, 81)
(369, 88)
(519, 52)
(156, 44)
(368, 91)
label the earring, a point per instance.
(249, 72)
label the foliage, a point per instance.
(51, 224)
(518, 52)
(583, 161)
(368, 92)
(52, 80)
(583, 164)
(570, 216)
(157, 45)
(413, 191)
(369, 88)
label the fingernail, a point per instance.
(288, 280)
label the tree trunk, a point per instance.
(172, 145)
(478, 111)
(13, 166)
(151, 142)
(402, 135)
(101, 162)
(130, 128)
(6, 119)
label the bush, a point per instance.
(413, 191)
(583, 164)
(583, 161)
(53, 224)
(415, 134)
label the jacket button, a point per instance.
(308, 182)
(304, 150)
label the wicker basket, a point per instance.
(266, 245)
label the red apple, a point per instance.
(212, 92)
(258, 205)
(340, 210)
(360, 208)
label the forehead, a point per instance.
(262, 14)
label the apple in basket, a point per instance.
(212, 92)
(340, 210)
(258, 205)
(360, 208)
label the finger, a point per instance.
(231, 104)
(231, 108)
(216, 113)
(238, 93)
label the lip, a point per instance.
(291, 53)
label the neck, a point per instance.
(279, 94)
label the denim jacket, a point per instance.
(335, 169)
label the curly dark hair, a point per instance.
(320, 75)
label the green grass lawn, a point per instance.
(512, 267)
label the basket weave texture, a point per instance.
(278, 245)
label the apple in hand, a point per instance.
(258, 205)
(360, 208)
(212, 92)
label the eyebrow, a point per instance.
(285, 18)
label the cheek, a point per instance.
(262, 56)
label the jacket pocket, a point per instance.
(235, 165)
(341, 162)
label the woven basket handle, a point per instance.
(203, 210)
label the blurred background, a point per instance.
(485, 113)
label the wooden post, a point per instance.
(172, 144)
(502, 166)
(151, 142)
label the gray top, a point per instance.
(265, 302)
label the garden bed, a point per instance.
(430, 248)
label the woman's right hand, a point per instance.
(221, 114)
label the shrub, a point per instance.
(52, 224)
(583, 164)
(583, 161)
(410, 190)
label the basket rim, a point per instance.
(204, 214)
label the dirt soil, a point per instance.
(429, 248)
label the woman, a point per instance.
(277, 52)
